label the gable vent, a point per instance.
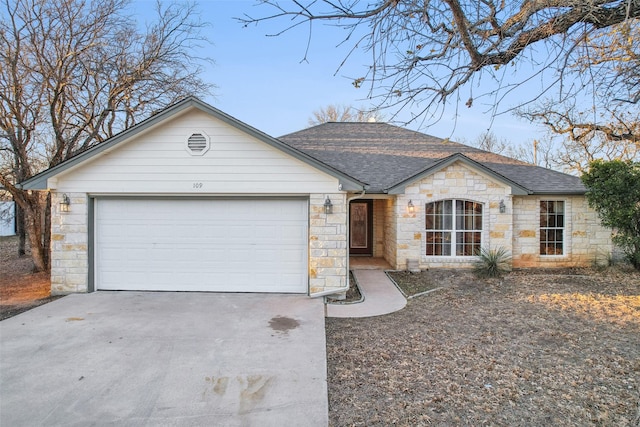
(198, 144)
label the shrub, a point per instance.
(613, 190)
(492, 262)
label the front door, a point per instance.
(361, 227)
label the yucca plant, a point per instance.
(492, 262)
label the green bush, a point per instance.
(492, 262)
(613, 190)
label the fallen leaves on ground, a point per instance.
(20, 288)
(528, 349)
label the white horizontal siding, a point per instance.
(158, 162)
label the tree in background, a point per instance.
(425, 52)
(72, 74)
(614, 192)
(582, 138)
(603, 122)
(343, 113)
(539, 153)
(488, 141)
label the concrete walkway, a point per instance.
(380, 297)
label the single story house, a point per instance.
(192, 199)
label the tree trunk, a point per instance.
(31, 215)
(33, 225)
(20, 230)
(46, 238)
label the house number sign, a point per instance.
(198, 185)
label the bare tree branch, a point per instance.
(423, 52)
(344, 113)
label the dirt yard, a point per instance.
(528, 350)
(20, 288)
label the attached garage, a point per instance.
(192, 199)
(201, 244)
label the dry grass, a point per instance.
(530, 349)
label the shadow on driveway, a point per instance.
(164, 358)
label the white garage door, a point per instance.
(224, 245)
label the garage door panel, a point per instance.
(239, 245)
(292, 256)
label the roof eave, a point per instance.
(516, 189)
(560, 193)
(39, 181)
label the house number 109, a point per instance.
(197, 185)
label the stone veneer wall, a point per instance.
(327, 243)
(378, 227)
(69, 245)
(585, 240)
(390, 232)
(454, 182)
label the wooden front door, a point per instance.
(361, 227)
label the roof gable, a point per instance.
(516, 189)
(40, 181)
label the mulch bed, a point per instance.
(352, 295)
(557, 348)
(412, 284)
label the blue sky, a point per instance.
(264, 82)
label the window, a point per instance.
(453, 228)
(551, 228)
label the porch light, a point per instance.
(502, 206)
(328, 206)
(65, 203)
(410, 207)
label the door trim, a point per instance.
(366, 246)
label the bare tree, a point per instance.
(331, 113)
(488, 141)
(604, 121)
(342, 113)
(425, 51)
(537, 152)
(585, 141)
(75, 72)
(540, 152)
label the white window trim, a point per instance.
(566, 244)
(453, 258)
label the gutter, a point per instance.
(346, 287)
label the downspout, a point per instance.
(346, 287)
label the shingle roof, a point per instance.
(384, 155)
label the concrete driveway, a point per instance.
(164, 358)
